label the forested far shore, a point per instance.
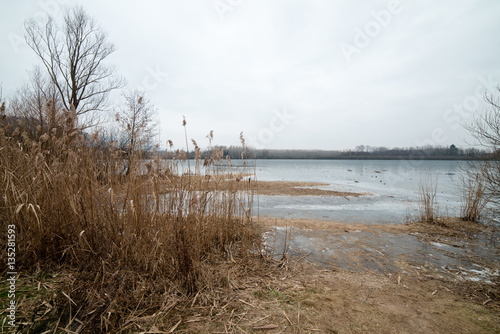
(359, 153)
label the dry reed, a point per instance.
(475, 198)
(131, 240)
(427, 206)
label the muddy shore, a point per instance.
(407, 278)
(289, 188)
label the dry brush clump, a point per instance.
(475, 197)
(427, 206)
(475, 200)
(130, 241)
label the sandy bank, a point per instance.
(289, 188)
(446, 227)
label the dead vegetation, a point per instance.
(293, 297)
(427, 204)
(451, 226)
(133, 243)
(474, 207)
(475, 198)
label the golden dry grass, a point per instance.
(427, 206)
(133, 241)
(475, 198)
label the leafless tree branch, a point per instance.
(485, 128)
(74, 55)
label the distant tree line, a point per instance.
(429, 152)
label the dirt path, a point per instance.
(307, 299)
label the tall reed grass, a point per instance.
(475, 197)
(129, 237)
(427, 206)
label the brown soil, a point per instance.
(305, 299)
(270, 188)
(445, 227)
(289, 188)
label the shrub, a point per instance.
(428, 209)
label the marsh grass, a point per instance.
(475, 197)
(428, 209)
(131, 241)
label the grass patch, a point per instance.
(273, 294)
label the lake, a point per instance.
(392, 197)
(393, 187)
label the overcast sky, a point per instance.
(308, 74)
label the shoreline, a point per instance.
(296, 188)
(448, 226)
(452, 247)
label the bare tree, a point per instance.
(138, 123)
(359, 148)
(74, 54)
(30, 102)
(485, 128)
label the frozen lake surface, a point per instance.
(476, 258)
(393, 186)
